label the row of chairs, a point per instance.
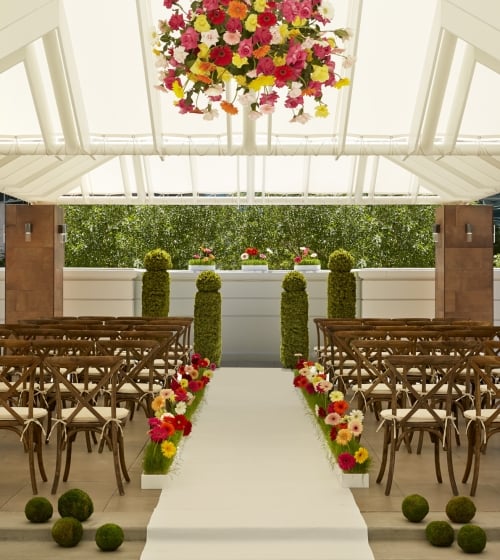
(88, 379)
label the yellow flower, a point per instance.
(178, 89)
(321, 111)
(336, 396)
(361, 455)
(251, 23)
(260, 82)
(259, 5)
(320, 73)
(279, 60)
(241, 80)
(201, 23)
(204, 50)
(168, 449)
(284, 30)
(239, 61)
(343, 437)
(341, 83)
(157, 403)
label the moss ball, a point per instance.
(471, 539)
(109, 536)
(208, 281)
(38, 510)
(75, 503)
(67, 532)
(415, 508)
(460, 509)
(439, 533)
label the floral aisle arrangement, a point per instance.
(306, 257)
(342, 428)
(173, 410)
(261, 46)
(252, 256)
(204, 257)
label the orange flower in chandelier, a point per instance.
(270, 50)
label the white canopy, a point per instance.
(81, 122)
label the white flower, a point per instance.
(336, 396)
(303, 118)
(210, 38)
(348, 61)
(254, 115)
(267, 109)
(295, 90)
(244, 256)
(180, 54)
(326, 9)
(214, 91)
(180, 408)
(246, 99)
(210, 114)
(357, 415)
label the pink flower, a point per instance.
(346, 461)
(190, 38)
(232, 38)
(333, 419)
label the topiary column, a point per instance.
(341, 285)
(208, 317)
(156, 284)
(294, 318)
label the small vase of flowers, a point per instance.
(204, 259)
(306, 260)
(253, 259)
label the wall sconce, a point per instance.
(468, 233)
(28, 230)
(436, 230)
(62, 232)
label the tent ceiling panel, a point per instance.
(81, 122)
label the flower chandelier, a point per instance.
(262, 46)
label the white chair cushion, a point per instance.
(485, 414)
(23, 411)
(419, 416)
(130, 389)
(86, 416)
(443, 390)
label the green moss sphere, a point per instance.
(460, 509)
(75, 503)
(67, 532)
(109, 537)
(439, 533)
(38, 510)
(471, 539)
(415, 508)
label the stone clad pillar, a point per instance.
(34, 262)
(464, 262)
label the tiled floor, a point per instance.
(391, 537)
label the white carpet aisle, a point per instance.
(253, 481)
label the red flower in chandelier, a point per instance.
(212, 53)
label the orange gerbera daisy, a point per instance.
(229, 108)
(262, 51)
(237, 9)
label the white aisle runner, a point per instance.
(253, 481)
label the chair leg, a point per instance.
(449, 460)
(392, 462)
(59, 451)
(39, 454)
(385, 448)
(437, 464)
(477, 458)
(69, 449)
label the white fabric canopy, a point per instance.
(81, 122)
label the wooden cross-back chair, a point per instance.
(18, 410)
(421, 411)
(371, 386)
(484, 416)
(89, 414)
(138, 381)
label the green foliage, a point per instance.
(294, 318)
(440, 533)
(38, 510)
(460, 509)
(415, 508)
(376, 236)
(156, 284)
(208, 317)
(67, 532)
(109, 537)
(156, 260)
(471, 539)
(341, 285)
(75, 503)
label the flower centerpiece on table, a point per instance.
(173, 409)
(306, 257)
(262, 46)
(252, 256)
(342, 429)
(204, 257)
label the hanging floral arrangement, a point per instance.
(261, 47)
